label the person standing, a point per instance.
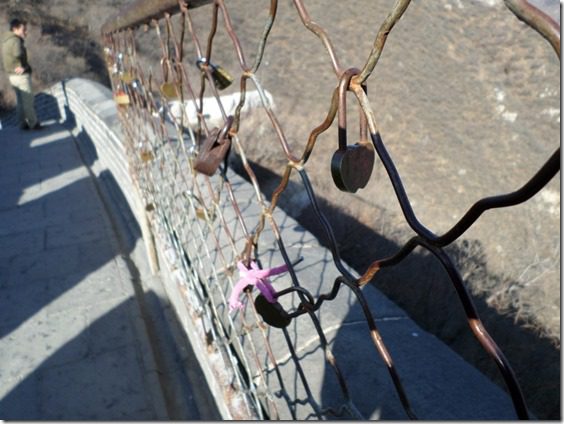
(14, 57)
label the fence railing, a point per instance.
(179, 143)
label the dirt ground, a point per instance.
(467, 100)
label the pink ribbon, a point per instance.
(255, 277)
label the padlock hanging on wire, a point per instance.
(351, 165)
(220, 76)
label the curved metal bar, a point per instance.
(320, 32)
(480, 332)
(326, 226)
(538, 20)
(425, 237)
(267, 27)
(374, 333)
(393, 17)
(533, 186)
(382, 350)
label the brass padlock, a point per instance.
(126, 77)
(220, 76)
(214, 149)
(351, 165)
(168, 90)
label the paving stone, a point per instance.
(19, 398)
(39, 342)
(31, 177)
(97, 253)
(84, 231)
(9, 182)
(65, 177)
(21, 218)
(3, 275)
(17, 166)
(103, 387)
(74, 198)
(24, 243)
(19, 303)
(51, 263)
(79, 290)
(11, 192)
(109, 325)
(71, 344)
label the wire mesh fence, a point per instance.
(228, 240)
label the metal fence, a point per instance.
(179, 160)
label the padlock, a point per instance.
(146, 155)
(168, 90)
(126, 77)
(214, 149)
(272, 313)
(351, 165)
(121, 97)
(220, 76)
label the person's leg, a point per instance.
(23, 84)
(28, 102)
(14, 82)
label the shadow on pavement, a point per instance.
(71, 324)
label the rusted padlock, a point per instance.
(351, 166)
(272, 313)
(214, 149)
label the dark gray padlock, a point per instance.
(272, 313)
(351, 165)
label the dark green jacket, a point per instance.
(14, 53)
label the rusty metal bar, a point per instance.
(143, 11)
(538, 20)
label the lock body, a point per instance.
(351, 167)
(272, 313)
(214, 149)
(212, 152)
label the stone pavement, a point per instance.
(74, 343)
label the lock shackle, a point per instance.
(224, 132)
(363, 120)
(344, 84)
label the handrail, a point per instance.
(143, 11)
